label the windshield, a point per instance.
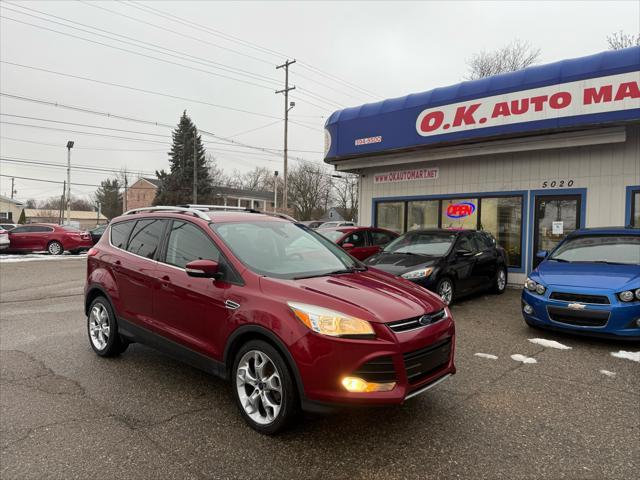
(422, 243)
(600, 248)
(332, 235)
(284, 250)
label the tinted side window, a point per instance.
(120, 234)
(465, 243)
(380, 238)
(20, 230)
(145, 237)
(482, 242)
(356, 239)
(41, 229)
(187, 243)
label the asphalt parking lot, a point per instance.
(65, 413)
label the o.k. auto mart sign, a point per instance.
(584, 97)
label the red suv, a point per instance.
(290, 318)
(55, 239)
(360, 242)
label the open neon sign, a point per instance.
(460, 210)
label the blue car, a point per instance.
(590, 283)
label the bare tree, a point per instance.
(510, 58)
(345, 194)
(309, 190)
(77, 203)
(30, 203)
(620, 40)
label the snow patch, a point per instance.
(486, 355)
(633, 356)
(549, 343)
(608, 373)
(8, 258)
(522, 358)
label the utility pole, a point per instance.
(124, 197)
(99, 211)
(275, 191)
(69, 147)
(13, 190)
(287, 106)
(195, 166)
(62, 197)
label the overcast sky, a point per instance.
(377, 50)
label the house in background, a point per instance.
(142, 193)
(83, 219)
(10, 209)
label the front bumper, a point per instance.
(323, 362)
(617, 319)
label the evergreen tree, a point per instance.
(109, 196)
(176, 186)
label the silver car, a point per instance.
(4, 239)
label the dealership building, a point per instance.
(528, 156)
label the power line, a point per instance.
(211, 31)
(255, 129)
(141, 90)
(13, 139)
(78, 166)
(137, 53)
(157, 48)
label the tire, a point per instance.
(75, 252)
(446, 290)
(500, 282)
(102, 329)
(55, 248)
(275, 403)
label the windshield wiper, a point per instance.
(560, 260)
(607, 262)
(335, 272)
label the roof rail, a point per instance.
(238, 209)
(160, 208)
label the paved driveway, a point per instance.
(66, 413)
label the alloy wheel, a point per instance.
(55, 248)
(99, 326)
(501, 280)
(259, 387)
(445, 290)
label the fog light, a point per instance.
(528, 309)
(358, 385)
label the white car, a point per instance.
(337, 224)
(4, 239)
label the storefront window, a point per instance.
(422, 215)
(460, 213)
(502, 217)
(390, 215)
(635, 209)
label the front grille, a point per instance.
(420, 364)
(580, 297)
(379, 370)
(582, 318)
(417, 322)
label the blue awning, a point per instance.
(599, 88)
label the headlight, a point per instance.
(534, 287)
(626, 296)
(638, 294)
(415, 274)
(330, 322)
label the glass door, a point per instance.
(555, 217)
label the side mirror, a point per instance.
(348, 246)
(203, 269)
(464, 253)
(542, 254)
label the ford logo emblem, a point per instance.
(424, 320)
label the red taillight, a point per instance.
(92, 252)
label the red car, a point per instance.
(291, 319)
(361, 242)
(55, 239)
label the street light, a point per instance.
(69, 147)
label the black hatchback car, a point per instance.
(451, 263)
